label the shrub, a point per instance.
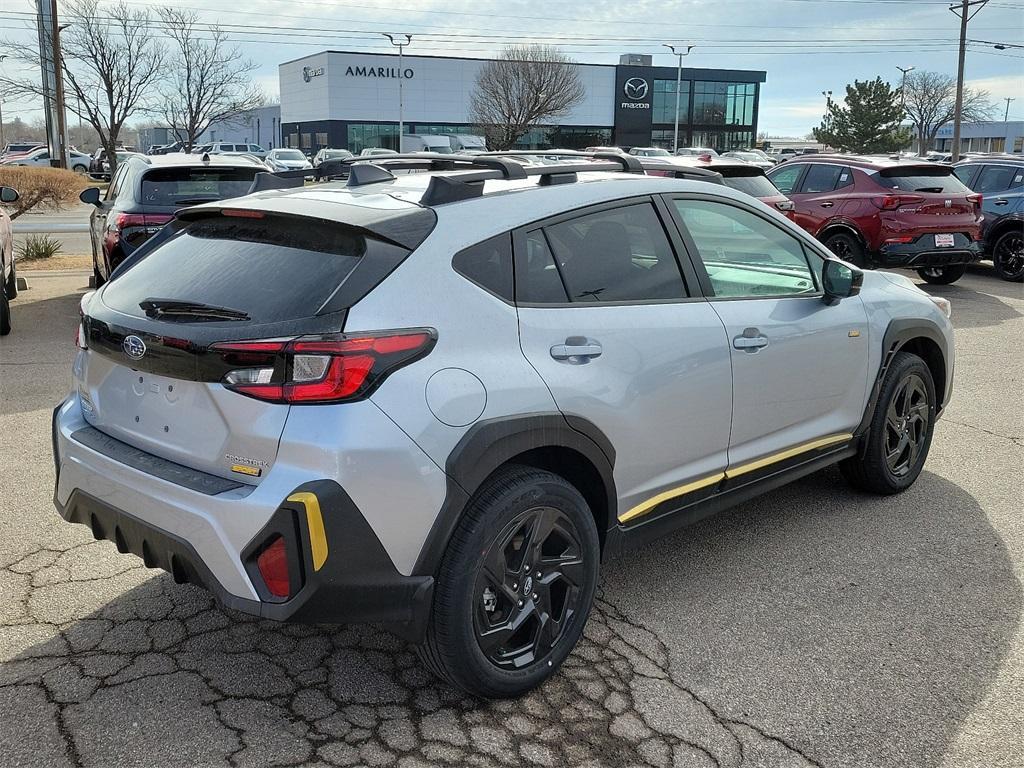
(38, 247)
(46, 188)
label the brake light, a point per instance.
(892, 202)
(273, 565)
(311, 370)
(239, 213)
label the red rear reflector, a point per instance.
(273, 565)
(242, 214)
(904, 239)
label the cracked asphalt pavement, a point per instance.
(810, 627)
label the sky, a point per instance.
(805, 46)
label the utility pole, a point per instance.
(2, 142)
(965, 14)
(1006, 117)
(679, 82)
(400, 45)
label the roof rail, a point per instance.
(470, 170)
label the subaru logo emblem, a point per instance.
(134, 347)
(635, 88)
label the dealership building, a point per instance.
(350, 100)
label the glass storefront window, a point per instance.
(723, 103)
(664, 106)
(372, 135)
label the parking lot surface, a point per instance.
(811, 627)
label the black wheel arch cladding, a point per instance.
(492, 443)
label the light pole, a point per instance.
(401, 46)
(903, 87)
(679, 81)
(2, 142)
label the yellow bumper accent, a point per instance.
(315, 523)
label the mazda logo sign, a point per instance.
(635, 88)
(134, 347)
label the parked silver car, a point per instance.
(440, 400)
(285, 159)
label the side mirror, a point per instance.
(8, 195)
(90, 195)
(840, 281)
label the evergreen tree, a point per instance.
(867, 122)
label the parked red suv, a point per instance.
(737, 174)
(875, 211)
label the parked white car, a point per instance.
(77, 161)
(286, 160)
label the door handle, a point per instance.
(750, 340)
(827, 204)
(1000, 201)
(576, 350)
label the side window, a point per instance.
(116, 182)
(744, 255)
(965, 173)
(488, 264)
(1018, 177)
(619, 254)
(537, 278)
(995, 178)
(821, 178)
(845, 178)
(786, 177)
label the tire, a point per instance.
(5, 314)
(485, 588)
(847, 247)
(942, 275)
(901, 430)
(11, 286)
(83, 169)
(1008, 256)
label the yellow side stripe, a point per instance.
(704, 482)
(823, 442)
(315, 523)
(682, 490)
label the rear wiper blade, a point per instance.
(174, 307)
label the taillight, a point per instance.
(273, 565)
(976, 199)
(892, 202)
(320, 369)
(135, 228)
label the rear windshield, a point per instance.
(290, 154)
(189, 186)
(273, 269)
(755, 186)
(939, 179)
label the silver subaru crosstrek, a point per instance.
(439, 400)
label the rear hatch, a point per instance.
(929, 198)
(153, 377)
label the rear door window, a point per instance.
(175, 186)
(619, 254)
(995, 178)
(273, 269)
(821, 178)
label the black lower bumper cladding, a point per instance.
(923, 253)
(356, 583)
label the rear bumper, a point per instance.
(213, 539)
(923, 253)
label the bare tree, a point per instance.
(208, 80)
(930, 102)
(526, 85)
(111, 63)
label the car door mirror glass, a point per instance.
(840, 280)
(8, 195)
(90, 195)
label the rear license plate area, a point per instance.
(944, 241)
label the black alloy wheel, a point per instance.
(1008, 256)
(846, 247)
(906, 425)
(515, 585)
(529, 588)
